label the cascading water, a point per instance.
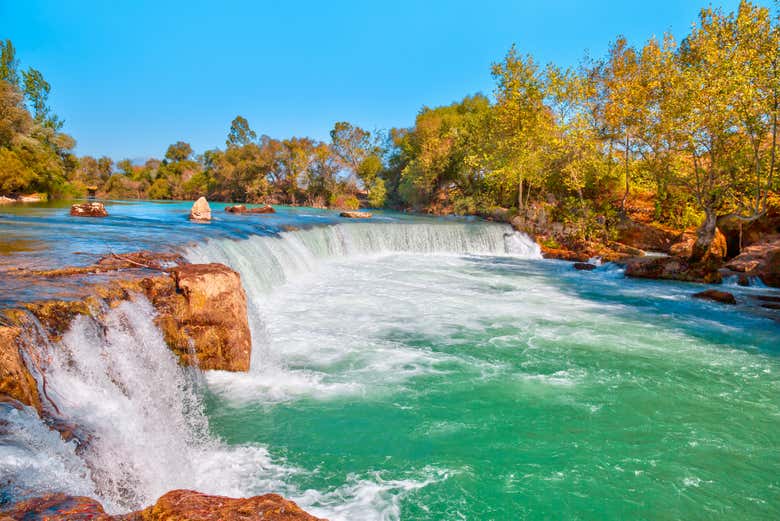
(423, 371)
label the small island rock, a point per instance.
(240, 208)
(201, 211)
(584, 266)
(724, 297)
(356, 215)
(88, 210)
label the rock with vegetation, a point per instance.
(201, 211)
(724, 297)
(88, 210)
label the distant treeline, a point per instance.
(690, 127)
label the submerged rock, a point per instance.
(356, 215)
(240, 208)
(177, 505)
(724, 297)
(201, 211)
(88, 210)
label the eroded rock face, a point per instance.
(684, 248)
(201, 308)
(177, 505)
(214, 317)
(16, 381)
(186, 505)
(356, 215)
(88, 210)
(201, 211)
(724, 297)
(761, 259)
(645, 236)
(57, 507)
(673, 268)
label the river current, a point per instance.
(420, 369)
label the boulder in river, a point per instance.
(673, 268)
(584, 266)
(201, 211)
(724, 297)
(356, 215)
(240, 208)
(88, 210)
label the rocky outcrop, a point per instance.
(741, 233)
(88, 210)
(16, 382)
(201, 308)
(201, 211)
(724, 297)
(684, 247)
(356, 215)
(177, 505)
(186, 505)
(761, 260)
(645, 236)
(213, 317)
(240, 208)
(673, 268)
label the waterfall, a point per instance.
(267, 261)
(146, 430)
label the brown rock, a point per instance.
(58, 507)
(240, 208)
(724, 297)
(16, 381)
(563, 254)
(186, 505)
(356, 215)
(214, 317)
(684, 247)
(201, 211)
(584, 266)
(673, 268)
(645, 236)
(761, 259)
(88, 210)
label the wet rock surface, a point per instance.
(177, 505)
(724, 297)
(673, 268)
(240, 208)
(88, 210)
(201, 211)
(356, 215)
(16, 381)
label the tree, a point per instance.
(240, 134)
(351, 145)
(9, 65)
(37, 90)
(179, 151)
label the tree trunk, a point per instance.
(520, 195)
(704, 236)
(625, 195)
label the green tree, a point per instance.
(240, 134)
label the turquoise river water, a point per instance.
(407, 368)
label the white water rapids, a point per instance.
(148, 431)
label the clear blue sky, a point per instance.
(131, 77)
